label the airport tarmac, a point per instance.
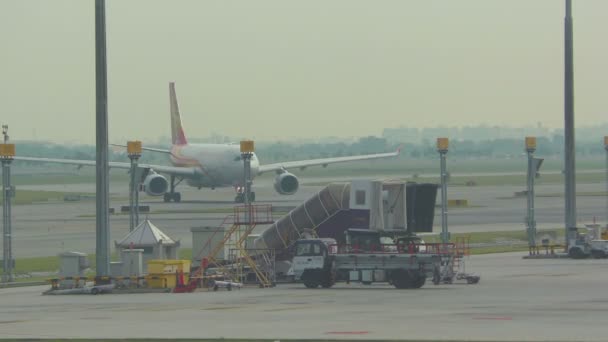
(516, 299)
(45, 229)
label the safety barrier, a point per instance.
(548, 249)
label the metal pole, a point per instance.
(247, 182)
(531, 222)
(445, 235)
(136, 201)
(132, 195)
(7, 193)
(606, 148)
(442, 148)
(5, 234)
(136, 192)
(6, 229)
(102, 248)
(569, 149)
(8, 196)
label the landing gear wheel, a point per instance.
(167, 197)
(177, 197)
(240, 198)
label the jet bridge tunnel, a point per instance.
(375, 205)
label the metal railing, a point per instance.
(411, 248)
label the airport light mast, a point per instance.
(606, 148)
(247, 149)
(531, 222)
(134, 152)
(7, 154)
(442, 148)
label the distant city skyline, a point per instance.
(403, 134)
(292, 70)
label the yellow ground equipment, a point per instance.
(167, 273)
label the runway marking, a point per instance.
(347, 333)
(288, 309)
(14, 321)
(223, 308)
(496, 318)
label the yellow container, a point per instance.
(168, 266)
(163, 281)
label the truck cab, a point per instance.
(311, 255)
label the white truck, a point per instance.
(591, 241)
(403, 262)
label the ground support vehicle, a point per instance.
(322, 262)
(590, 241)
(599, 249)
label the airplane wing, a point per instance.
(324, 161)
(151, 149)
(173, 170)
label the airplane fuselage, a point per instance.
(220, 165)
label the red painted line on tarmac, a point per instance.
(347, 332)
(504, 318)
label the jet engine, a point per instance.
(155, 184)
(286, 183)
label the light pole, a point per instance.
(247, 149)
(569, 150)
(7, 154)
(606, 148)
(442, 148)
(134, 152)
(102, 170)
(531, 223)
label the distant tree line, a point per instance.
(281, 151)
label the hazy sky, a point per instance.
(310, 68)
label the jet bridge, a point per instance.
(362, 204)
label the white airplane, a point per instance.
(209, 165)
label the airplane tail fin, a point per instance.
(178, 137)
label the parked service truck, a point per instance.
(591, 241)
(367, 257)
